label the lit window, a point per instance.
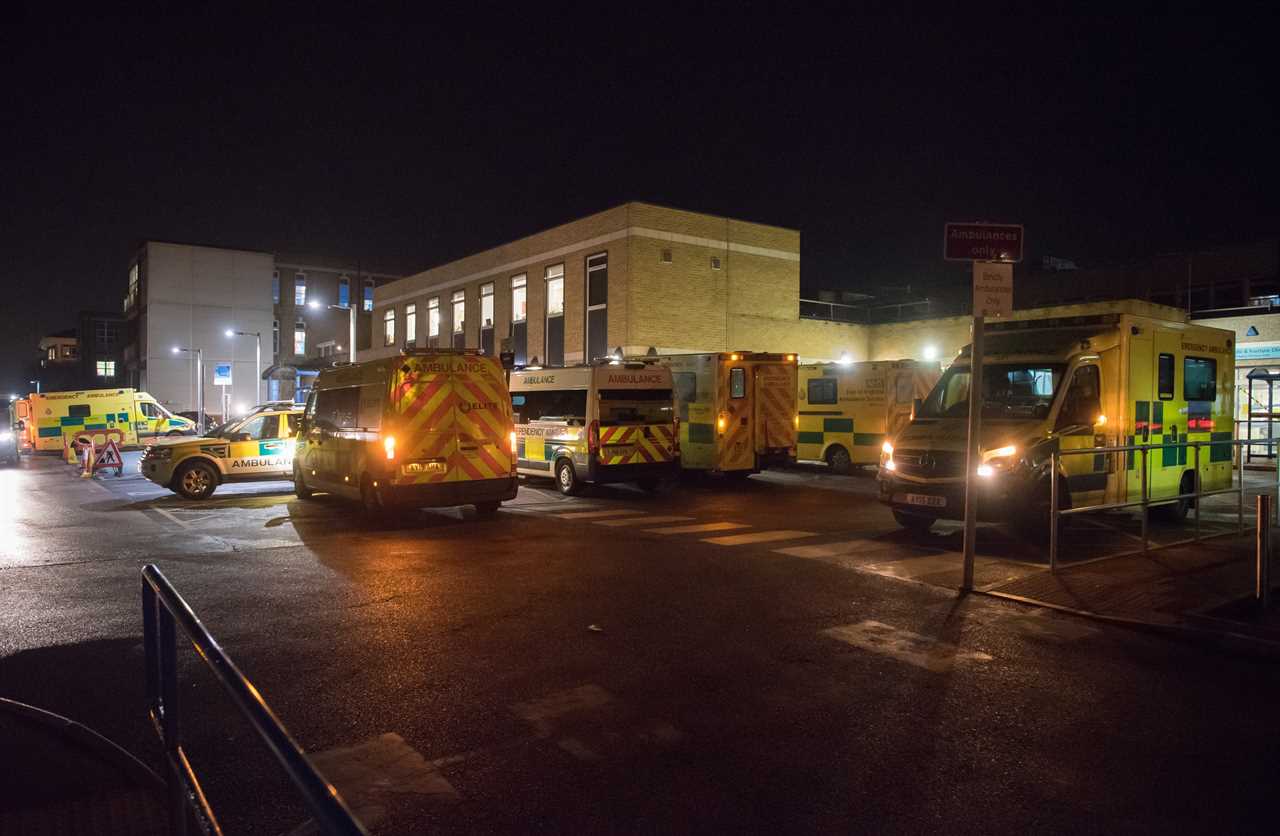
(433, 317)
(106, 368)
(300, 289)
(411, 323)
(368, 295)
(459, 311)
(519, 298)
(486, 305)
(389, 327)
(344, 291)
(300, 338)
(555, 290)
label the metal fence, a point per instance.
(1145, 500)
(163, 610)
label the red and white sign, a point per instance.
(982, 242)
(109, 458)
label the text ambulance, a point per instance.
(848, 410)
(1134, 375)
(602, 423)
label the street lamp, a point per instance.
(257, 335)
(199, 385)
(37, 383)
(351, 311)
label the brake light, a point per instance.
(511, 436)
(721, 424)
(389, 445)
(593, 438)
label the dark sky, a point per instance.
(408, 146)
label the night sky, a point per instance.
(406, 147)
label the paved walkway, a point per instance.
(62, 779)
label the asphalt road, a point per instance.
(765, 656)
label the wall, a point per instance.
(193, 295)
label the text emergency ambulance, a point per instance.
(1135, 375)
(426, 428)
(254, 448)
(848, 410)
(135, 414)
(594, 424)
(737, 410)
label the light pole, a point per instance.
(351, 311)
(257, 335)
(37, 383)
(199, 384)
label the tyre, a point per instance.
(172, 434)
(838, 460)
(196, 480)
(567, 478)
(915, 523)
(1176, 512)
(488, 509)
(300, 488)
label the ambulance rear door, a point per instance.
(775, 406)
(735, 416)
(423, 400)
(482, 420)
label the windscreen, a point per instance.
(635, 406)
(1009, 390)
(569, 405)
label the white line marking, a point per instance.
(370, 774)
(905, 646)
(827, 549)
(170, 517)
(695, 529)
(758, 537)
(593, 515)
(541, 713)
(641, 520)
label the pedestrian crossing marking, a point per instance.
(758, 537)
(905, 646)
(697, 529)
(640, 521)
(594, 515)
(827, 549)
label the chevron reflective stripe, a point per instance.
(777, 398)
(636, 445)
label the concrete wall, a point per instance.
(193, 295)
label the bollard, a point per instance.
(1262, 584)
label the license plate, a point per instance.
(618, 450)
(927, 500)
(424, 467)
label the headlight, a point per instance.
(994, 461)
(160, 453)
(886, 457)
(6, 436)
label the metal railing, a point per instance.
(163, 609)
(1145, 500)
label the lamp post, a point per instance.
(37, 383)
(199, 384)
(351, 312)
(257, 358)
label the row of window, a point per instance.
(300, 291)
(597, 324)
(1199, 378)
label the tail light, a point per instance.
(511, 436)
(593, 438)
(722, 423)
(389, 445)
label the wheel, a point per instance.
(567, 478)
(196, 480)
(173, 434)
(300, 488)
(488, 509)
(915, 523)
(1176, 512)
(839, 460)
(1034, 521)
(371, 499)
(649, 483)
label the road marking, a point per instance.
(758, 537)
(593, 515)
(905, 646)
(541, 713)
(170, 517)
(827, 549)
(589, 724)
(369, 775)
(695, 529)
(641, 520)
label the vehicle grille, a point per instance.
(929, 464)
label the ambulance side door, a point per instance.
(1076, 429)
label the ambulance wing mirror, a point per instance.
(241, 437)
(917, 404)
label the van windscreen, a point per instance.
(635, 406)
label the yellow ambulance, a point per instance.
(428, 427)
(847, 410)
(737, 409)
(1134, 373)
(610, 422)
(137, 415)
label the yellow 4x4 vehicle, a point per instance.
(256, 447)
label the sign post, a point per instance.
(993, 249)
(222, 377)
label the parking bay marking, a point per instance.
(641, 521)
(697, 529)
(758, 537)
(593, 515)
(905, 646)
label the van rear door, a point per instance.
(735, 416)
(423, 400)
(482, 410)
(775, 406)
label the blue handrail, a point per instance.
(163, 609)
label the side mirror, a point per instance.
(916, 405)
(241, 437)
